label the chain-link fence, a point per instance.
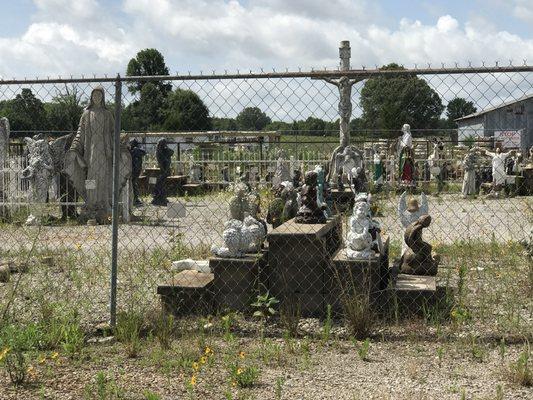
(209, 206)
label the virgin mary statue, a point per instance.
(89, 160)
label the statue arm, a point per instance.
(424, 205)
(333, 82)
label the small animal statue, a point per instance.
(39, 172)
(359, 239)
(417, 259)
(310, 212)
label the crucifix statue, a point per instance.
(344, 84)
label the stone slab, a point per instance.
(342, 199)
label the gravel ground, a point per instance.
(454, 219)
(302, 369)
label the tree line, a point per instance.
(386, 102)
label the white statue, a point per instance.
(89, 160)
(344, 165)
(469, 178)
(4, 140)
(409, 212)
(195, 170)
(39, 172)
(359, 238)
(244, 232)
(406, 140)
(498, 166)
(282, 172)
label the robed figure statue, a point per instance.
(89, 161)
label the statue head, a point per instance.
(311, 178)
(361, 209)
(134, 143)
(161, 144)
(406, 128)
(97, 98)
(424, 220)
(240, 190)
(498, 150)
(412, 205)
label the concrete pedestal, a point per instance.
(236, 281)
(189, 293)
(349, 278)
(299, 261)
(342, 199)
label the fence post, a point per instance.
(116, 189)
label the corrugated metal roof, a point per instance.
(486, 110)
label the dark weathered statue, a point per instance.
(284, 206)
(163, 154)
(417, 259)
(137, 155)
(310, 212)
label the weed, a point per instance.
(128, 332)
(151, 395)
(363, 349)
(16, 366)
(440, 355)
(245, 376)
(164, 329)
(326, 328)
(104, 388)
(264, 306)
(520, 370)
(278, 389)
(290, 317)
(359, 315)
(72, 338)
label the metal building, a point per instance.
(509, 123)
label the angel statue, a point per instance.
(498, 168)
(411, 211)
(39, 172)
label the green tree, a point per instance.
(388, 101)
(313, 126)
(185, 111)
(25, 112)
(252, 119)
(458, 108)
(147, 113)
(63, 113)
(224, 124)
(148, 62)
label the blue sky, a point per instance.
(52, 37)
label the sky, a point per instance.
(40, 38)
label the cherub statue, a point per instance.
(359, 239)
(39, 172)
(411, 211)
(417, 259)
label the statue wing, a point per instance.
(402, 204)
(424, 205)
(58, 149)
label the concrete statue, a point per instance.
(163, 154)
(418, 259)
(39, 172)
(469, 178)
(88, 162)
(137, 155)
(411, 211)
(406, 166)
(310, 212)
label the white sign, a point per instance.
(152, 180)
(509, 139)
(90, 184)
(176, 210)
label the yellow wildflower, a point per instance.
(241, 354)
(208, 351)
(195, 366)
(239, 371)
(31, 370)
(78, 246)
(203, 360)
(42, 359)
(193, 380)
(54, 355)
(3, 353)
